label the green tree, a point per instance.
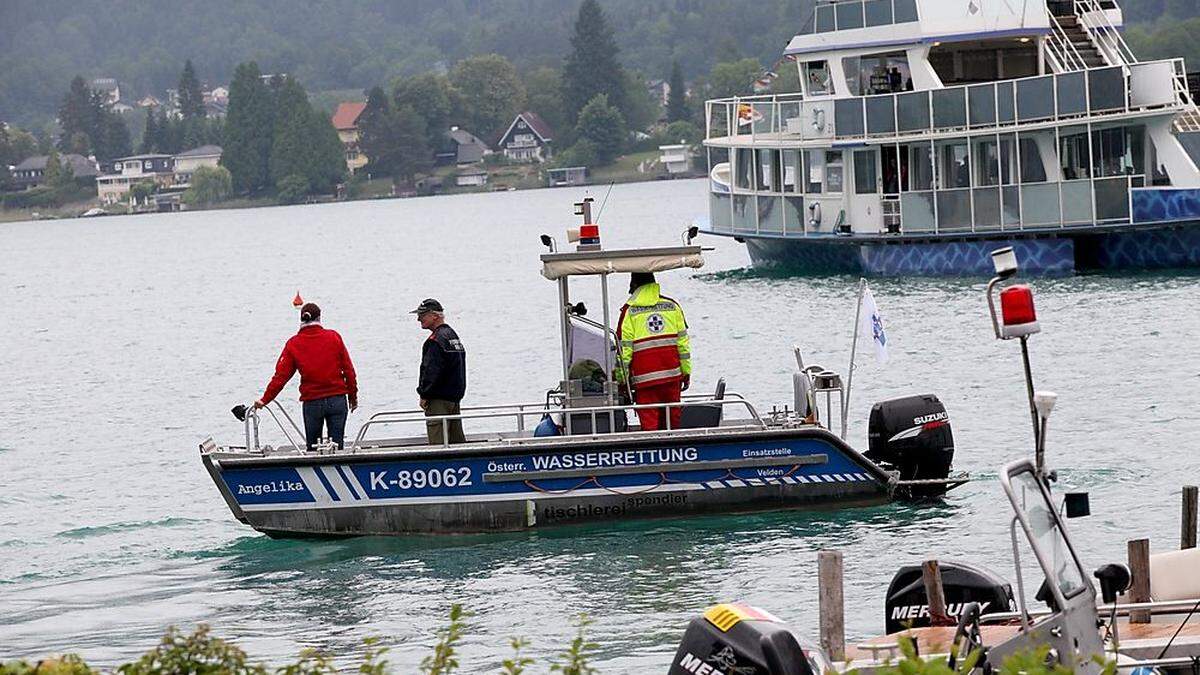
(543, 93)
(140, 192)
(249, 125)
(677, 108)
(642, 110)
(292, 189)
(733, 78)
(681, 131)
(52, 175)
(329, 155)
(432, 96)
(150, 135)
(21, 145)
(191, 96)
(114, 140)
(603, 125)
(209, 185)
(304, 141)
(77, 118)
(492, 93)
(591, 67)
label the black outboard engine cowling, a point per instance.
(908, 607)
(912, 435)
(735, 639)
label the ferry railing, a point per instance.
(835, 15)
(748, 121)
(1061, 50)
(1093, 16)
(521, 411)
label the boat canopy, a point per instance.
(584, 263)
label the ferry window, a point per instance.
(848, 117)
(866, 175)
(906, 10)
(987, 162)
(1033, 169)
(825, 18)
(913, 111)
(1072, 97)
(1074, 155)
(877, 74)
(1106, 88)
(745, 167)
(833, 171)
(950, 108)
(1118, 152)
(1035, 98)
(952, 165)
(816, 74)
(849, 15)
(791, 170)
(768, 170)
(814, 171)
(878, 12)
(982, 104)
(919, 176)
(1008, 155)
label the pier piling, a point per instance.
(831, 604)
(1139, 569)
(931, 574)
(1187, 536)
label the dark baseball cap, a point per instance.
(428, 305)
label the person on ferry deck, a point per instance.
(328, 384)
(655, 352)
(443, 380)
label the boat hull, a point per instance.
(1064, 253)
(501, 489)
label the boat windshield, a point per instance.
(1046, 533)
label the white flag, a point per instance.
(870, 326)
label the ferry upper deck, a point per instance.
(929, 117)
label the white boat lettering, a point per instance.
(922, 611)
(259, 489)
(506, 466)
(935, 417)
(767, 452)
(590, 460)
(419, 479)
(770, 472)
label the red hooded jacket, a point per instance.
(324, 364)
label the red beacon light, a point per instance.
(1018, 318)
(297, 301)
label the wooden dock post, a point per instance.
(831, 604)
(1187, 537)
(1139, 569)
(931, 574)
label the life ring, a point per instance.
(818, 120)
(814, 213)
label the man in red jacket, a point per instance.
(327, 377)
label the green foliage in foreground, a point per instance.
(203, 654)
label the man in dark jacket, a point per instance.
(328, 384)
(443, 374)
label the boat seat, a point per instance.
(1173, 575)
(704, 415)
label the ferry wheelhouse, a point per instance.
(926, 133)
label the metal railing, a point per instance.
(1061, 51)
(834, 15)
(1094, 19)
(777, 118)
(519, 412)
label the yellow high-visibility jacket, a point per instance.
(653, 338)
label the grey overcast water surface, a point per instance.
(127, 340)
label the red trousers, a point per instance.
(652, 418)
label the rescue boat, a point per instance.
(579, 454)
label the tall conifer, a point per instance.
(191, 96)
(677, 97)
(592, 67)
(249, 131)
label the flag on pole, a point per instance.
(870, 325)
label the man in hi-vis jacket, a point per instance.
(655, 356)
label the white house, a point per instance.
(676, 158)
(187, 162)
(126, 171)
(471, 178)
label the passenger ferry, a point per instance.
(927, 133)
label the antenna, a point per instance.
(606, 194)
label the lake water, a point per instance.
(127, 340)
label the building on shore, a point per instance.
(188, 161)
(676, 159)
(566, 176)
(345, 120)
(528, 139)
(476, 177)
(127, 171)
(31, 172)
(461, 148)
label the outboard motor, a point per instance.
(738, 639)
(911, 435)
(908, 607)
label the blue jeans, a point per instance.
(330, 412)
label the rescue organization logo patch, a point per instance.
(655, 323)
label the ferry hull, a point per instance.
(1164, 247)
(500, 490)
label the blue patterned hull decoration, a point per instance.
(950, 258)
(1161, 205)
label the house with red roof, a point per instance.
(528, 138)
(345, 120)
